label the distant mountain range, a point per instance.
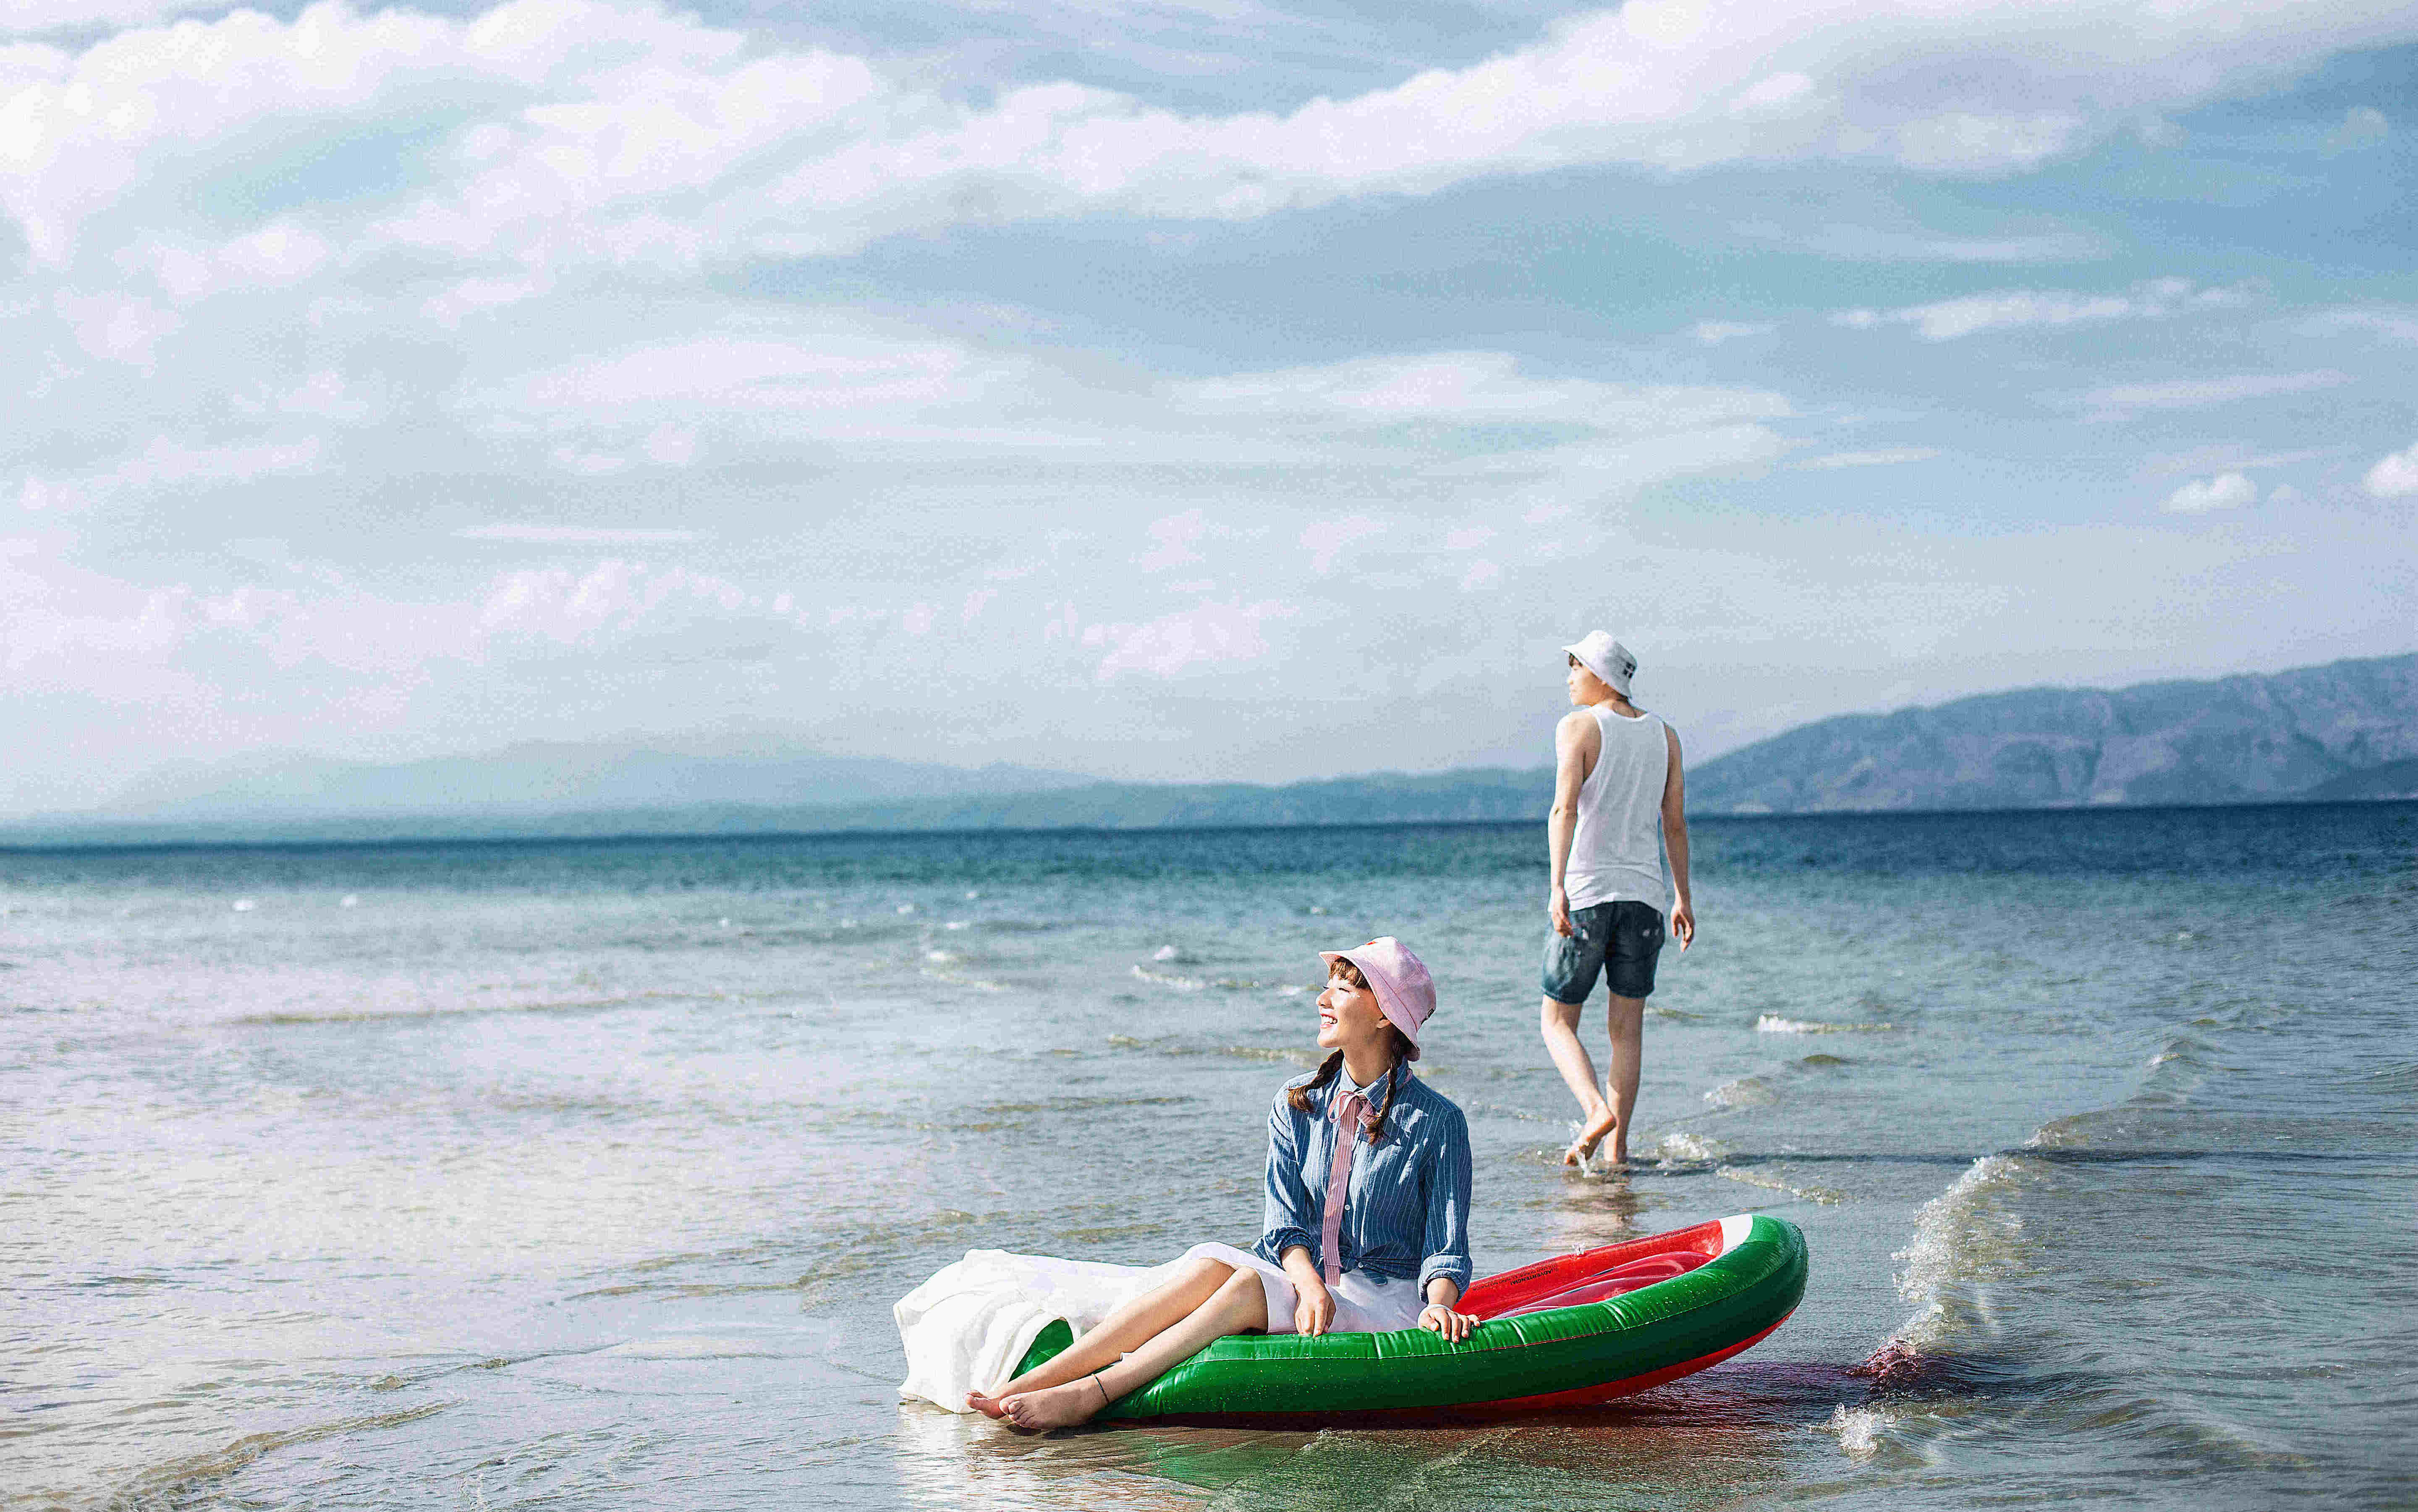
(2344, 731)
(2341, 732)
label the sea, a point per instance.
(583, 1174)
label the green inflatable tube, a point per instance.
(1565, 1331)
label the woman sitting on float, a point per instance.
(1367, 1215)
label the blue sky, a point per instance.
(1179, 390)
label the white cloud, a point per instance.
(2116, 402)
(1328, 537)
(2363, 126)
(1714, 332)
(1211, 634)
(1175, 535)
(560, 535)
(976, 601)
(166, 462)
(627, 134)
(2016, 309)
(1889, 457)
(613, 597)
(2226, 491)
(116, 328)
(1468, 537)
(2394, 475)
(1481, 574)
(1471, 389)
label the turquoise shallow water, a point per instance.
(583, 1174)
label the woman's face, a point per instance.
(1348, 1015)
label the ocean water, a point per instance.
(585, 1174)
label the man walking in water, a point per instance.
(1618, 806)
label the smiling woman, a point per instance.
(1365, 1232)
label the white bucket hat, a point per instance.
(1606, 658)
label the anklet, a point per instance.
(1104, 1387)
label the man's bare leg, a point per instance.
(1626, 1018)
(1141, 1318)
(1559, 1022)
(1237, 1306)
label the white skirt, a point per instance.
(1365, 1302)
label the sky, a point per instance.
(1179, 390)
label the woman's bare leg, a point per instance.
(1239, 1305)
(1153, 1312)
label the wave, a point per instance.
(1965, 1234)
(1775, 1024)
(1743, 1091)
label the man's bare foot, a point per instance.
(1589, 1138)
(987, 1406)
(1055, 1407)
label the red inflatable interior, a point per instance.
(1594, 1275)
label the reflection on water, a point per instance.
(1738, 1430)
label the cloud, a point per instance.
(1714, 332)
(1211, 634)
(2394, 475)
(1858, 243)
(1328, 537)
(1468, 537)
(1471, 389)
(565, 535)
(2226, 491)
(1176, 536)
(613, 597)
(2016, 309)
(2121, 400)
(116, 328)
(624, 134)
(1481, 574)
(2363, 126)
(1869, 459)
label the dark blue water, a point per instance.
(584, 1173)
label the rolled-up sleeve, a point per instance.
(1285, 1218)
(1447, 1227)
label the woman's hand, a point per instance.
(1438, 1318)
(1313, 1306)
(1558, 905)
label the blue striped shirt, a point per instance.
(1406, 1213)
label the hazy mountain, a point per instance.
(552, 778)
(2348, 730)
(2344, 732)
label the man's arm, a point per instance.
(1569, 775)
(1674, 840)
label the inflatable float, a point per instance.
(1565, 1331)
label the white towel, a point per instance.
(968, 1326)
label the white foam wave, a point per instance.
(1858, 1430)
(1964, 1234)
(1775, 1024)
(1744, 1091)
(1169, 979)
(1683, 1148)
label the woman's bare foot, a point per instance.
(1589, 1138)
(1056, 1407)
(987, 1406)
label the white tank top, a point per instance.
(1616, 850)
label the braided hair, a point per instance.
(1374, 1124)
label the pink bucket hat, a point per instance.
(1405, 992)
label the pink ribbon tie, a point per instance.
(1349, 1108)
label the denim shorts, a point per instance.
(1620, 940)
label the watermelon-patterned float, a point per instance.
(1566, 1331)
